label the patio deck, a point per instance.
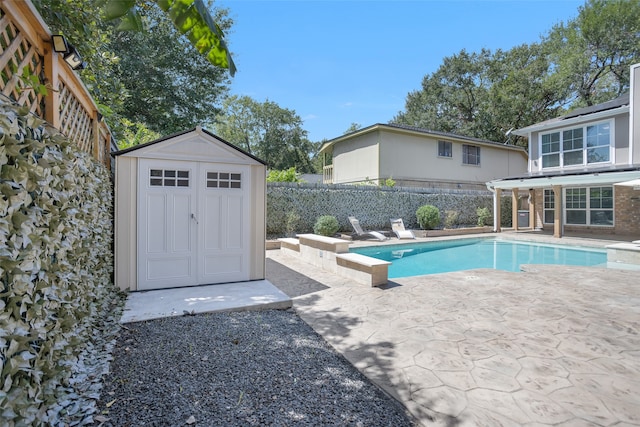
(554, 345)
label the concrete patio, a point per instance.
(553, 345)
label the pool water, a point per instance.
(466, 254)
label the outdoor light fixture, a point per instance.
(68, 51)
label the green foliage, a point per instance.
(190, 17)
(136, 134)
(484, 94)
(289, 175)
(326, 225)
(428, 217)
(451, 218)
(389, 182)
(484, 216)
(266, 130)
(55, 266)
(292, 223)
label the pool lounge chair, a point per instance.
(397, 225)
(359, 232)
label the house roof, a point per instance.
(416, 130)
(606, 109)
(586, 176)
(197, 129)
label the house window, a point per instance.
(549, 206)
(572, 147)
(470, 155)
(596, 209)
(576, 147)
(598, 143)
(224, 180)
(168, 178)
(551, 150)
(444, 149)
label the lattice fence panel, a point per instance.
(16, 54)
(75, 122)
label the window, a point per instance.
(168, 178)
(549, 206)
(444, 149)
(596, 209)
(598, 143)
(470, 155)
(224, 180)
(576, 147)
(551, 150)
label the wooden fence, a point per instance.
(25, 42)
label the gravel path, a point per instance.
(251, 368)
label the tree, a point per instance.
(266, 130)
(171, 86)
(190, 17)
(483, 95)
(592, 54)
(352, 128)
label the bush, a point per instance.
(326, 225)
(428, 217)
(451, 218)
(484, 216)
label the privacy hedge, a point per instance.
(373, 206)
(56, 270)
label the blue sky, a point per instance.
(340, 62)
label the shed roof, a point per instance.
(196, 130)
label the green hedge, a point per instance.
(56, 268)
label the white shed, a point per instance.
(190, 210)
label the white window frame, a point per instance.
(548, 205)
(466, 155)
(587, 138)
(588, 208)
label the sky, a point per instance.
(341, 62)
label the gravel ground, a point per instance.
(250, 368)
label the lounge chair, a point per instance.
(359, 232)
(397, 225)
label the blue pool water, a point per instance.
(455, 255)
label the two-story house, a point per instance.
(582, 170)
(415, 157)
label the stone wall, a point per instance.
(293, 208)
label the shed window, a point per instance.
(224, 180)
(168, 178)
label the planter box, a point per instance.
(452, 231)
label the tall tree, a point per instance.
(266, 130)
(592, 53)
(171, 86)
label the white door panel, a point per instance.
(166, 231)
(192, 228)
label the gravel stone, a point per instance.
(247, 368)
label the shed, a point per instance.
(190, 209)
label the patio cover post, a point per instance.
(514, 208)
(532, 208)
(558, 226)
(497, 210)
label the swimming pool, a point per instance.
(465, 254)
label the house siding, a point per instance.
(356, 160)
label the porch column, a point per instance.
(497, 210)
(532, 209)
(557, 211)
(514, 208)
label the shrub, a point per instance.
(292, 222)
(389, 182)
(451, 218)
(484, 216)
(326, 225)
(287, 175)
(428, 217)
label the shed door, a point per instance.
(192, 223)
